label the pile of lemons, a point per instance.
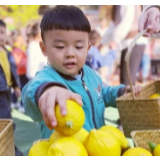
(70, 139)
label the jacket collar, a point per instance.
(70, 77)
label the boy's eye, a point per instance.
(60, 47)
(79, 47)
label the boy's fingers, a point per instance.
(62, 104)
(76, 98)
(136, 91)
(128, 89)
(42, 107)
(140, 89)
(50, 110)
(47, 121)
(41, 103)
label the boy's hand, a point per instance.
(49, 99)
(150, 20)
(137, 90)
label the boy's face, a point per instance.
(2, 35)
(66, 50)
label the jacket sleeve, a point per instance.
(110, 94)
(31, 93)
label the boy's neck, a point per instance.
(69, 77)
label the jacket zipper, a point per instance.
(92, 106)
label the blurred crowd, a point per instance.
(27, 55)
(113, 30)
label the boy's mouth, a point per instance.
(70, 65)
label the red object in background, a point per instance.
(20, 59)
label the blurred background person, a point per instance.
(122, 31)
(94, 57)
(35, 59)
(8, 79)
(144, 72)
(107, 50)
(18, 52)
(94, 38)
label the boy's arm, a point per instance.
(40, 98)
(31, 94)
(110, 94)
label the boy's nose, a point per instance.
(70, 53)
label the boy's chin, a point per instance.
(71, 73)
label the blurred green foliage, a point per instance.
(21, 14)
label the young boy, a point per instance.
(65, 34)
(8, 79)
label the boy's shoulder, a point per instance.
(47, 70)
(48, 73)
(89, 72)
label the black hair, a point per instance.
(66, 18)
(2, 23)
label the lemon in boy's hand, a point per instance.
(73, 121)
(156, 95)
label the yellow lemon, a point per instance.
(100, 143)
(156, 95)
(80, 136)
(73, 121)
(67, 146)
(39, 148)
(115, 132)
(155, 148)
(137, 152)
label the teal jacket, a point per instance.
(95, 95)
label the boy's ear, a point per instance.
(43, 48)
(89, 46)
